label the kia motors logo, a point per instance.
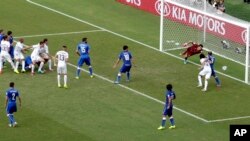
(244, 36)
(136, 2)
(166, 8)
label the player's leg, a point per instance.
(80, 63)
(118, 78)
(41, 64)
(88, 63)
(217, 80)
(207, 77)
(163, 121)
(59, 77)
(128, 73)
(11, 108)
(65, 77)
(171, 118)
(50, 65)
(1, 64)
(9, 59)
(23, 65)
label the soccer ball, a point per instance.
(177, 44)
(224, 68)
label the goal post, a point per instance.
(198, 21)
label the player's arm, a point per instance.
(55, 60)
(6, 102)
(20, 101)
(116, 63)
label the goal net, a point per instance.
(198, 21)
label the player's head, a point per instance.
(21, 40)
(202, 56)
(125, 47)
(5, 37)
(41, 43)
(64, 47)
(201, 45)
(12, 84)
(1, 30)
(9, 33)
(169, 87)
(45, 40)
(210, 53)
(84, 40)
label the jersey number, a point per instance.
(61, 57)
(126, 56)
(13, 96)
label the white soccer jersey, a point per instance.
(62, 56)
(18, 54)
(206, 71)
(5, 46)
(35, 51)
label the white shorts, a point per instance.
(36, 58)
(62, 70)
(206, 72)
(18, 56)
(5, 56)
(44, 55)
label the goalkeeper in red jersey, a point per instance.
(192, 49)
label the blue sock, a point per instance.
(118, 79)
(128, 75)
(217, 80)
(78, 72)
(163, 122)
(90, 71)
(172, 121)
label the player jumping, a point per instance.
(192, 49)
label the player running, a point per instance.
(83, 50)
(10, 104)
(205, 71)
(62, 58)
(168, 108)
(126, 57)
(192, 49)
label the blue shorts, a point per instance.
(11, 108)
(125, 69)
(168, 112)
(83, 60)
(11, 52)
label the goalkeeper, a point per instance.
(192, 49)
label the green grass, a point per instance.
(97, 110)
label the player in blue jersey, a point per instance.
(126, 57)
(11, 40)
(10, 104)
(168, 108)
(83, 49)
(211, 58)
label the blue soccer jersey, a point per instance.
(11, 51)
(212, 61)
(126, 57)
(166, 111)
(11, 95)
(83, 49)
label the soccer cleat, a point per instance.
(185, 62)
(10, 125)
(65, 86)
(161, 128)
(199, 86)
(59, 86)
(23, 71)
(14, 124)
(91, 76)
(16, 71)
(171, 127)
(204, 90)
(41, 72)
(77, 77)
(116, 82)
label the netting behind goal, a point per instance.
(198, 21)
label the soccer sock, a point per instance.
(17, 64)
(118, 77)
(23, 65)
(50, 63)
(206, 83)
(78, 72)
(12, 65)
(32, 68)
(128, 75)
(1, 65)
(199, 79)
(163, 122)
(90, 70)
(41, 66)
(12, 118)
(65, 80)
(217, 80)
(58, 80)
(171, 121)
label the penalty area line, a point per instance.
(142, 94)
(62, 33)
(229, 119)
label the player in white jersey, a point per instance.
(62, 58)
(4, 55)
(18, 54)
(35, 57)
(44, 53)
(205, 71)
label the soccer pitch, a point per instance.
(94, 109)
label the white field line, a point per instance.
(142, 94)
(229, 119)
(130, 39)
(55, 34)
(125, 37)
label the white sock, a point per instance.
(50, 63)
(23, 65)
(206, 84)
(12, 65)
(32, 68)
(17, 63)
(199, 80)
(41, 66)
(65, 80)
(58, 79)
